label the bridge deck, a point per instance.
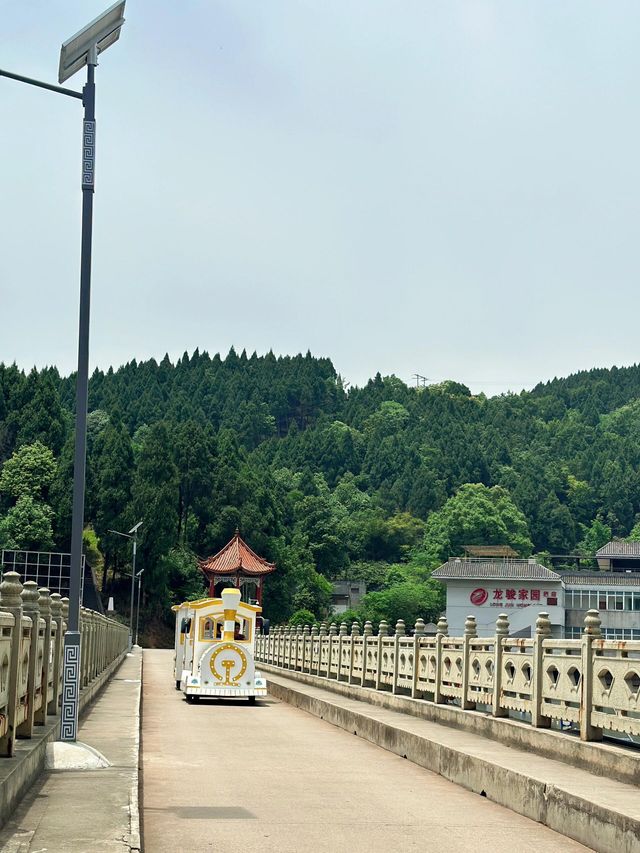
(267, 778)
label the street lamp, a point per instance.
(78, 51)
(140, 573)
(133, 535)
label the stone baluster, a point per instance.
(442, 631)
(333, 630)
(11, 602)
(342, 633)
(44, 603)
(315, 648)
(502, 631)
(383, 631)
(543, 632)
(401, 631)
(470, 631)
(306, 651)
(367, 633)
(56, 616)
(417, 635)
(30, 608)
(355, 633)
(591, 638)
(322, 632)
(294, 640)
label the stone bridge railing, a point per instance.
(32, 626)
(591, 682)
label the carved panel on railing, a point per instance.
(616, 686)
(516, 674)
(6, 628)
(387, 663)
(481, 670)
(452, 667)
(562, 680)
(371, 667)
(358, 658)
(405, 663)
(427, 668)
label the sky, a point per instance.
(442, 187)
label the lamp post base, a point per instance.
(70, 686)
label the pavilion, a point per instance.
(237, 565)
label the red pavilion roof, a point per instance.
(236, 558)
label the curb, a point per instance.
(595, 824)
(135, 840)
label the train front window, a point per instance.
(208, 629)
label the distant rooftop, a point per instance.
(584, 578)
(494, 570)
(490, 551)
(618, 548)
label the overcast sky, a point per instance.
(444, 187)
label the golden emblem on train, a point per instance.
(235, 657)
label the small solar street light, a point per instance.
(78, 51)
(83, 48)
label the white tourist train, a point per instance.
(214, 648)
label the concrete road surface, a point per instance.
(238, 778)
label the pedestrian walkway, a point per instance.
(89, 811)
(270, 778)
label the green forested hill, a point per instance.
(367, 483)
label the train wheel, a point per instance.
(192, 698)
(252, 700)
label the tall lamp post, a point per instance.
(140, 573)
(78, 51)
(133, 535)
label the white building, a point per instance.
(484, 588)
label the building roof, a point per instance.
(236, 558)
(618, 548)
(600, 578)
(490, 551)
(494, 570)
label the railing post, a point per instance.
(342, 633)
(44, 603)
(292, 644)
(383, 631)
(355, 632)
(470, 631)
(502, 631)
(306, 640)
(592, 631)
(11, 601)
(314, 645)
(30, 608)
(321, 633)
(417, 636)
(56, 615)
(401, 631)
(442, 631)
(367, 633)
(543, 632)
(333, 630)
(274, 647)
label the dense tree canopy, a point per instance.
(380, 482)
